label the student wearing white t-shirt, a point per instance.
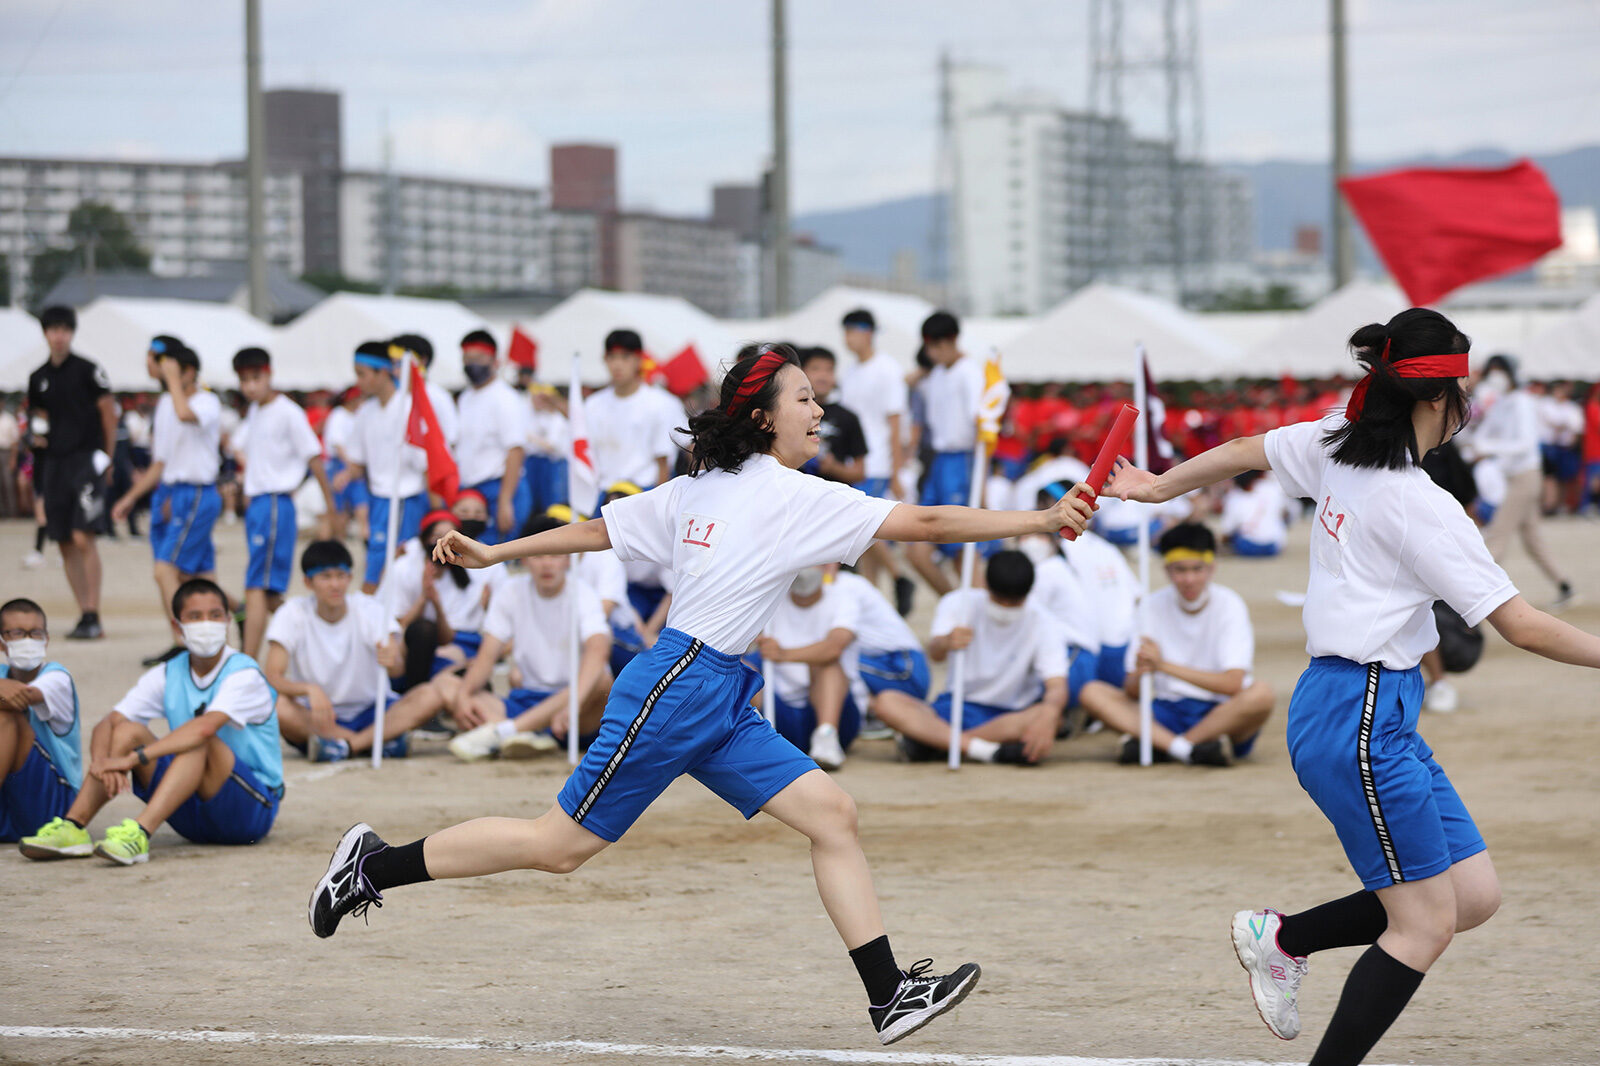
(630, 421)
(1255, 515)
(889, 657)
(1199, 649)
(440, 608)
(494, 427)
(649, 583)
(378, 454)
(444, 405)
(349, 494)
(277, 447)
(1016, 674)
(1386, 542)
(1061, 596)
(606, 574)
(1108, 581)
(41, 765)
(810, 642)
(735, 532)
(324, 653)
(547, 437)
(531, 617)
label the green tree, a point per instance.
(98, 237)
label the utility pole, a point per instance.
(1343, 242)
(255, 164)
(390, 214)
(779, 214)
(945, 256)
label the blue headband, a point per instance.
(1056, 490)
(376, 362)
(315, 570)
(159, 347)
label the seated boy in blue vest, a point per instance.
(40, 762)
(216, 775)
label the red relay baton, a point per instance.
(1115, 440)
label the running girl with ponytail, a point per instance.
(735, 531)
(1385, 543)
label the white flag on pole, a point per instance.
(583, 484)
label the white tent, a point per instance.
(1246, 329)
(115, 332)
(1091, 337)
(315, 350)
(666, 324)
(1316, 342)
(22, 348)
(898, 318)
(1570, 349)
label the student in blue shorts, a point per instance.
(735, 532)
(215, 775)
(1385, 543)
(41, 764)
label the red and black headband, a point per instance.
(1454, 365)
(759, 375)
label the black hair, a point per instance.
(723, 441)
(1248, 479)
(860, 318)
(457, 572)
(197, 586)
(186, 357)
(1009, 575)
(811, 355)
(480, 336)
(166, 344)
(1503, 363)
(251, 359)
(23, 605)
(417, 345)
(1192, 535)
(377, 348)
(1051, 494)
(321, 554)
(625, 339)
(940, 326)
(924, 360)
(540, 523)
(1383, 436)
(58, 315)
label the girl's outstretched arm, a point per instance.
(1224, 461)
(1531, 629)
(955, 524)
(456, 547)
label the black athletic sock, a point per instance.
(875, 963)
(38, 539)
(92, 616)
(1353, 920)
(396, 865)
(1377, 990)
(64, 818)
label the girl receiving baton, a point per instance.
(735, 532)
(1385, 543)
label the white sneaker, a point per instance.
(476, 744)
(33, 560)
(1442, 697)
(527, 745)
(825, 749)
(1274, 975)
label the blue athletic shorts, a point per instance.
(242, 811)
(972, 714)
(186, 537)
(158, 515)
(626, 642)
(898, 671)
(679, 708)
(270, 531)
(1111, 665)
(949, 481)
(1182, 715)
(1354, 744)
(874, 486)
(796, 721)
(645, 598)
(412, 509)
(1253, 549)
(353, 495)
(1128, 537)
(32, 796)
(464, 639)
(519, 701)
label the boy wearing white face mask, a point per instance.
(216, 775)
(40, 763)
(1016, 673)
(811, 643)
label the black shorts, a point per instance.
(74, 495)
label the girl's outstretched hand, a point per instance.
(456, 547)
(1128, 482)
(1071, 511)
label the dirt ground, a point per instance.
(1096, 897)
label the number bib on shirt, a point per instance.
(698, 538)
(1331, 533)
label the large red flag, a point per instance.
(422, 430)
(1438, 229)
(684, 372)
(523, 349)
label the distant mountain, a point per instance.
(1287, 195)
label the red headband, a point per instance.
(764, 368)
(1421, 366)
(432, 517)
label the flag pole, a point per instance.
(969, 555)
(396, 502)
(573, 662)
(1141, 459)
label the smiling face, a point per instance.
(794, 419)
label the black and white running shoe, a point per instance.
(344, 889)
(921, 998)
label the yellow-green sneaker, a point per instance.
(125, 843)
(57, 839)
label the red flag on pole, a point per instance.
(523, 350)
(684, 372)
(422, 430)
(1438, 229)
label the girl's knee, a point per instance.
(1477, 906)
(839, 818)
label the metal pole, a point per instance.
(255, 164)
(1141, 459)
(958, 658)
(780, 164)
(1343, 242)
(391, 549)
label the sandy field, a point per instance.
(1096, 897)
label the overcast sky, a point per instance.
(482, 88)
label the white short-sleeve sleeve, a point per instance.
(1295, 454)
(355, 444)
(245, 697)
(1457, 567)
(1049, 650)
(306, 445)
(669, 413)
(60, 707)
(147, 699)
(832, 522)
(641, 526)
(1235, 639)
(497, 620)
(286, 627)
(591, 612)
(950, 613)
(846, 610)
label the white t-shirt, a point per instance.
(873, 391)
(336, 430)
(59, 709)
(1007, 662)
(627, 434)
(603, 572)
(539, 629)
(11, 431)
(794, 626)
(275, 443)
(463, 607)
(1061, 597)
(339, 657)
(190, 450)
(548, 433)
(1508, 432)
(377, 442)
(1258, 514)
(1106, 575)
(734, 541)
(879, 628)
(1215, 638)
(952, 394)
(1384, 545)
(492, 423)
(244, 696)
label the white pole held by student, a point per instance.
(573, 661)
(769, 690)
(390, 546)
(582, 487)
(1141, 459)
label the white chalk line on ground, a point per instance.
(590, 1047)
